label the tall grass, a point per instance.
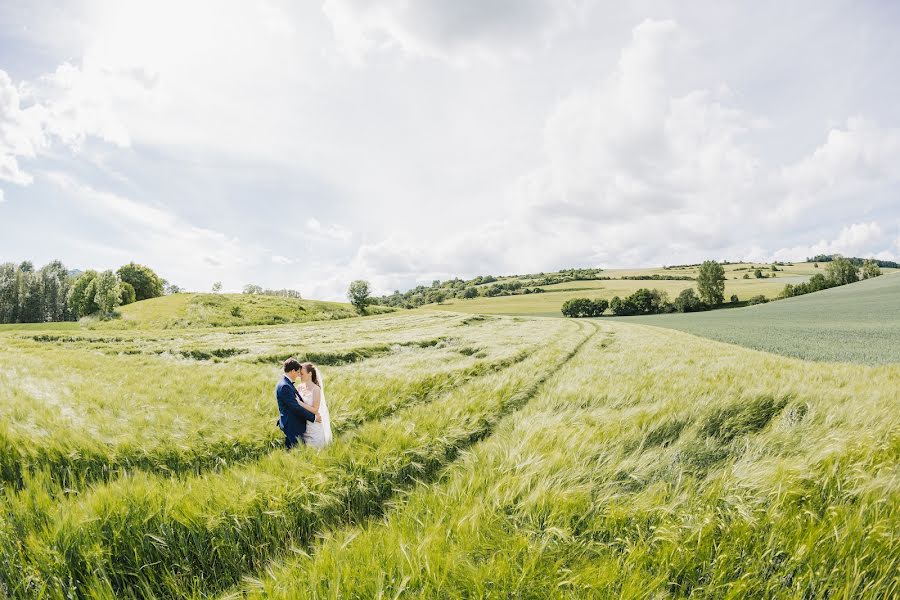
(111, 413)
(148, 536)
(660, 466)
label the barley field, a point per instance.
(475, 456)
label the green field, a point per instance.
(474, 456)
(549, 303)
(852, 323)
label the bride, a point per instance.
(312, 398)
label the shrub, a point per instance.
(841, 271)
(759, 299)
(144, 280)
(583, 307)
(687, 301)
(734, 299)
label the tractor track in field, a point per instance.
(212, 572)
(78, 468)
(432, 474)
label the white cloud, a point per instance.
(189, 255)
(282, 260)
(68, 106)
(859, 239)
(329, 232)
(457, 32)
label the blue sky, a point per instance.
(307, 144)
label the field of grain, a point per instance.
(474, 456)
(851, 323)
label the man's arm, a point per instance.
(286, 396)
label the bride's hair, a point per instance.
(311, 368)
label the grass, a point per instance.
(102, 410)
(651, 467)
(177, 311)
(475, 456)
(853, 323)
(155, 536)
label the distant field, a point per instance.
(180, 311)
(548, 304)
(853, 323)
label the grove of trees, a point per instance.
(53, 293)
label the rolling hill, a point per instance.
(858, 323)
(179, 311)
(623, 282)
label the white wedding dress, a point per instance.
(318, 435)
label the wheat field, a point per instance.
(475, 456)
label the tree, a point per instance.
(252, 289)
(870, 268)
(758, 274)
(173, 289)
(82, 295)
(687, 301)
(470, 292)
(128, 295)
(107, 294)
(145, 282)
(711, 283)
(358, 293)
(217, 287)
(841, 271)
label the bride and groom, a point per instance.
(302, 406)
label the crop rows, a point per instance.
(740, 475)
(145, 535)
(114, 414)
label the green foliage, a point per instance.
(841, 271)
(107, 294)
(469, 292)
(687, 301)
(146, 283)
(734, 299)
(83, 295)
(30, 296)
(128, 293)
(359, 295)
(758, 299)
(711, 283)
(584, 307)
(870, 269)
(217, 287)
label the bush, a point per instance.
(687, 301)
(759, 299)
(734, 299)
(841, 271)
(584, 307)
(144, 280)
(128, 294)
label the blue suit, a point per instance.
(293, 416)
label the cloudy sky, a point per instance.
(306, 144)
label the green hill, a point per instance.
(858, 323)
(224, 310)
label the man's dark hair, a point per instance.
(291, 364)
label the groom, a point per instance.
(293, 416)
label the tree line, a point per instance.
(54, 293)
(711, 290)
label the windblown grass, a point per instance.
(660, 466)
(149, 536)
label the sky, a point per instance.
(306, 144)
